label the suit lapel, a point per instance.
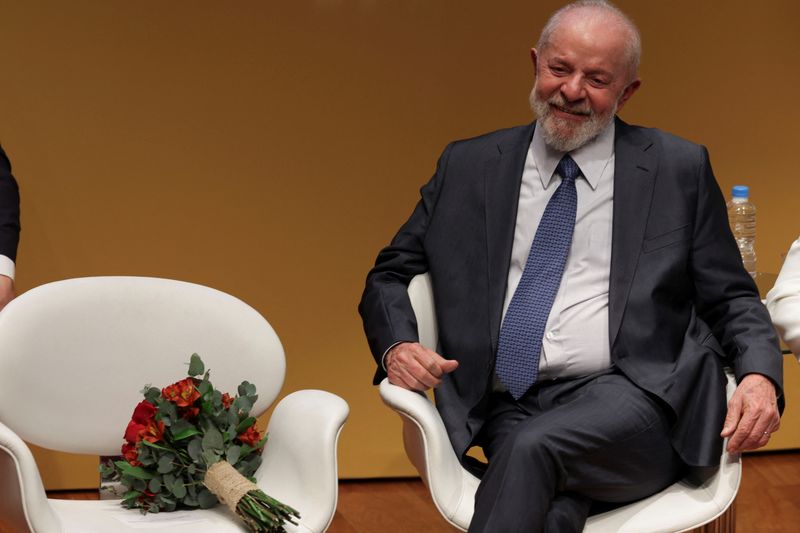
(503, 176)
(635, 168)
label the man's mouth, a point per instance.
(576, 112)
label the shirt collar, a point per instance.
(592, 157)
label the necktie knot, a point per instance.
(568, 168)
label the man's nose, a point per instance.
(572, 89)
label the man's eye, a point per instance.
(558, 70)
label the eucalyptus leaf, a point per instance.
(166, 464)
(179, 489)
(152, 394)
(155, 485)
(232, 454)
(243, 404)
(195, 449)
(212, 440)
(210, 457)
(196, 366)
(206, 499)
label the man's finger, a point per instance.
(733, 416)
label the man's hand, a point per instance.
(6, 290)
(414, 367)
(752, 414)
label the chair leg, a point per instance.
(724, 523)
(12, 518)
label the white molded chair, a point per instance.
(680, 507)
(74, 355)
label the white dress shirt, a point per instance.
(575, 341)
(6, 267)
(783, 300)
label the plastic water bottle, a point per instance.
(742, 218)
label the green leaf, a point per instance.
(179, 489)
(243, 404)
(166, 464)
(152, 394)
(196, 366)
(156, 446)
(232, 454)
(246, 389)
(212, 440)
(133, 471)
(210, 457)
(131, 495)
(154, 485)
(244, 424)
(206, 499)
(186, 433)
(195, 449)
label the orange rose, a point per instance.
(131, 454)
(250, 436)
(154, 432)
(183, 393)
(227, 401)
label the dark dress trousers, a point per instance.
(9, 210)
(681, 304)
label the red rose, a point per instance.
(133, 431)
(153, 432)
(183, 393)
(227, 401)
(143, 424)
(144, 412)
(131, 454)
(250, 436)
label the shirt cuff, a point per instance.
(383, 357)
(6, 267)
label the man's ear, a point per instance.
(628, 92)
(534, 59)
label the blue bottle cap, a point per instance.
(741, 191)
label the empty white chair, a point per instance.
(74, 355)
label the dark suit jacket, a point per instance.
(681, 304)
(9, 210)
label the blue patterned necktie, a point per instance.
(520, 340)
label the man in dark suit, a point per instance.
(9, 229)
(595, 374)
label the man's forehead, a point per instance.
(592, 25)
(597, 38)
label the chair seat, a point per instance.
(107, 515)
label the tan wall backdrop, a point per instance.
(269, 149)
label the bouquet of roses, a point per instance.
(189, 446)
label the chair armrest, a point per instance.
(23, 505)
(430, 450)
(300, 465)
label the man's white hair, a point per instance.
(633, 43)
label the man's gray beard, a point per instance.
(563, 135)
